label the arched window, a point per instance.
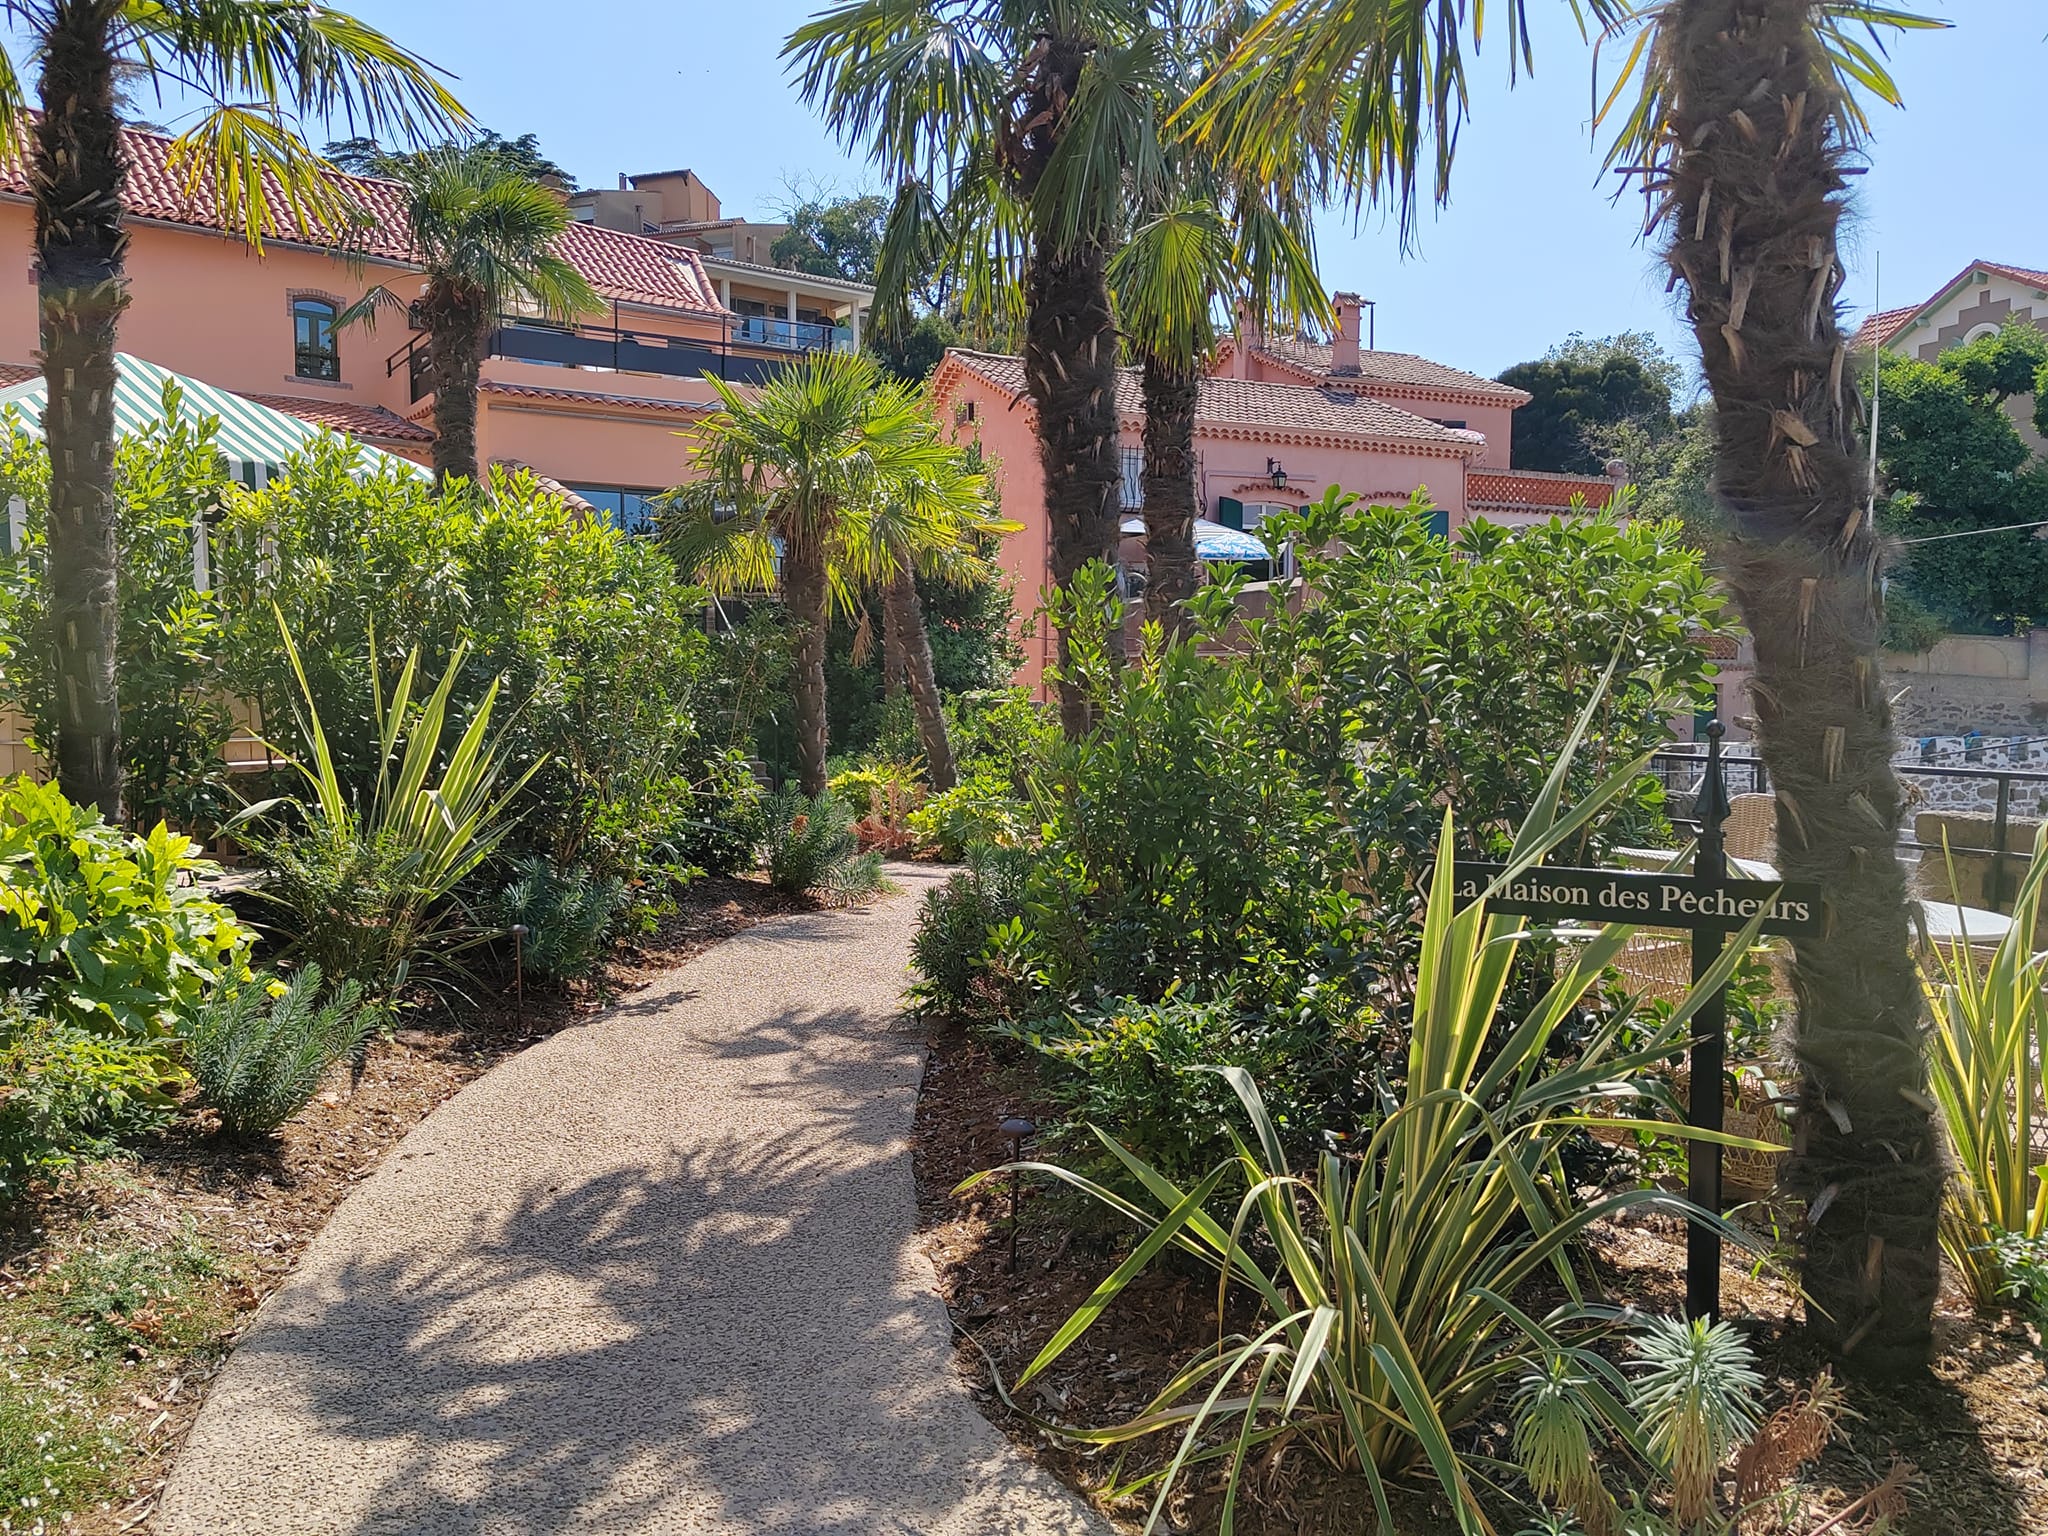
(316, 355)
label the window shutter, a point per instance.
(1440, 524)
(1230, 512)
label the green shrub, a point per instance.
(956, 925)
(260, 1047)
(1006, 732)
(168, 482)
(99, 923)
(723, 833)
(1383, 1279)
(1137, 1070)
(567, 913)
(68, 1093)
(371, 885)
(812, 848)
(983, 809)
(2024, 1262)
(595, 645)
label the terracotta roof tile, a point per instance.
(15, 373)
(1257, 404)
(367, 421)
(1528, 490)
(619, 266)
(1881, 327)
(593, 397)
(1397, 368)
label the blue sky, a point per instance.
(1530, 248)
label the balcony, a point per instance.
(791, 335)
(758, 346)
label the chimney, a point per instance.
(624, 184)
(1250, 334)
(1344, 344)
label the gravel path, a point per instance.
(657, 1274)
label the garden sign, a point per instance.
(1711, 906)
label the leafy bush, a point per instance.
(567, 913)
(595, 645)
(99, 923)
(812, 848)
(956, 925)
(1134, 1069)
(2024, 1262)
(726, 825)
(1004, 731)
(170, 481)
(883, 795)
(370, 885)
(260, 1047)
(68, 1093)
(1383, 1281)
(982, 809)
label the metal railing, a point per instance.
(792, 335)
(2016, 793)
(746, 357)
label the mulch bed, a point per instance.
(257, 1205)
(1977, 1428)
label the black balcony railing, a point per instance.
(754, 351)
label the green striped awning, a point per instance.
(255, 439)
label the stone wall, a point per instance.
(1996, 686)
(1940, 792)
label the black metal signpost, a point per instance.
(1711, 906)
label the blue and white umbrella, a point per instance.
(1213, 541)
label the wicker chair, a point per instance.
(1751, 830)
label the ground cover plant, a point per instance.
(259, 1048)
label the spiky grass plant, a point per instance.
(1990, 1042)
(567, 914)
(1697, 1400)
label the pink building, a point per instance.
(596, 405)
(1279, 421)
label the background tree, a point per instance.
(261, 67)
(1954, 463)
(1739, 124)
(362, 155)
(1014, 133)
(485, 233)
(1575, 402)
(819, 485)
(833, 236)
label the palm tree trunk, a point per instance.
(1070, 353)
(81, 289)
(457, 329)
(1757, 196)
(1171, 396)
(892, 651)
(902, 605)
(804, 592)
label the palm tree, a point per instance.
(1739, 128)
(1014, 130)
(262, 66)
(1203, 237)
(828, 480)
(484, 231)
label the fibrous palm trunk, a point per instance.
(1070, 354)
(1171, 393)
(892, 651)
(804, 593)
(81, 289)
(906, 610)
(457, 330)
(1756, 198)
